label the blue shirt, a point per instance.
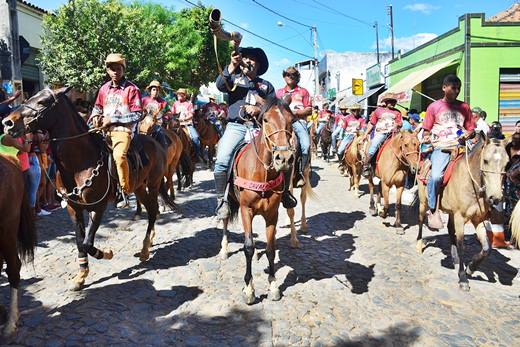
(245, 91)
(407, 126)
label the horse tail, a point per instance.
(163, 190)
(26, 232)
(185, 164)
(514, 224)
(233, 207)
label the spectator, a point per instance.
(6, 101)
(479, 117)
(495, 131)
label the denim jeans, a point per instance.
(233, 136)
(195, 139)
(439, 161)
(34, 175)
(320, 127)
(335, 135)
(304, 140)
(376, 142)
(347, 139)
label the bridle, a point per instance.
(403, 157)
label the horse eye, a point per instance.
(265, 120)
(486, 161)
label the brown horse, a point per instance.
(475, 185)
(208, 136)
(173, 152)
(17, 232)
(188, 159)
(353, 162)
(82, 161)
(306, 192)
(399, 157)
(264, 160)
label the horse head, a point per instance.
(409, 146)
(493, 161)
(276, 119)
(145, 125)
(35, 113)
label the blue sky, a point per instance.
(414, 22)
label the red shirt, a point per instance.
(23, 157)
(341, 120)
(386, 120)
(444, 119)
(121, 103)
(324, 116)
(300, 98)
(155, 106)
(353, 124)
(185, 111)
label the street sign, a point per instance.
(331, 93)
(357, 86)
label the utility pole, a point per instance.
(390, 13)
(315, 46)
(377, 40)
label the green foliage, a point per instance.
(158, 43)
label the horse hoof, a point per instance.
(419, 246)
(223, 255)
(77, 286)
(274, 295)
(249, 299)
(108, 254)
(382, 215)
(399, 230)
(372, 211)
(469, 272)
(144, 256)
(295, 244)
(464, 286)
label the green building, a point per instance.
(485, 54)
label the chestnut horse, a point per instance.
(82, 161)
(17, 233)
(353, 161)
(173, 152)
(475, 185)
(208, 136)
(398, 157)
(264, 160)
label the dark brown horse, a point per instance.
(325, 138)
(186, 166)
(82, 161)
(475, 185)
(208, 136)
(264, 160)
(398, 157)
(17, 232)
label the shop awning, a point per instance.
(416, 77)
(358, 98)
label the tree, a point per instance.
(157, 42)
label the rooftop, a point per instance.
(510, 15)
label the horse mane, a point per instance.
(273, 101)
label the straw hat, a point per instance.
(154, 83)
(388, 96)
(355, 106)
(182, 91)
(115, 58)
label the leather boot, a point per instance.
(303, 163)
(222, 211)
(288, 200)
(366, 167)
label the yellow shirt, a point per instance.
(313, 117)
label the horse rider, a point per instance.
(340, 124)
(118, 109)
(301, 108)
(323, 118)
(157, 107)
(312, 119)
(386, 120)
(184, 108)
(353, 124)
(211, 112)
(240, 79)
(448, 122)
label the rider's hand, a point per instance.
(252, 110)
(426, 139)
(96, 121)
(236, 59)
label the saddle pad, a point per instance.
(425, 171)
(449, 170)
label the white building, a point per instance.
(20, 42)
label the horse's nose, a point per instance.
(8, 124)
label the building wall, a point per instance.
(30, 24)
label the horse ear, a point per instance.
(287, 99)
(63, 90)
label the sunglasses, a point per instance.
(291, 75)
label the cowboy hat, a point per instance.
(355, 106)
(154, 83)
(259, 56)
(212, 97)
(388, 96)
(115, 58)
(343, 105)
(182, 91)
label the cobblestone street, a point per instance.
(354, 281)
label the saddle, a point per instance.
(426, 165)
(137, 158)
(159, 135)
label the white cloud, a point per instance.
(282, 62)
(406, 43)
(421, 7)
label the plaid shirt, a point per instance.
(122, 104)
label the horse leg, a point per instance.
(274, 291)
(483, 254)
(88, 242)
(138, 210)
(397, 223)
(385, 190)
(419, 246)
(3, 313)
(149, 200)
(13, 274)
(249, 250)
(459, 233)
(303, 200)
(224, 242)
(355, 175)
(372, 208)
(79, 223)
(179, 178)
(453, 241)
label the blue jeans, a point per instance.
(320, 127)
(439, 161)
(304, 140)
(34, 176)
(233, 136)
(335, 135)
(376, 142)
(344, 143)
(195, 139)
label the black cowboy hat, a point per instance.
(260, 56)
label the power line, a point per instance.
(256, 35)
(344, 14)
(281, 15)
